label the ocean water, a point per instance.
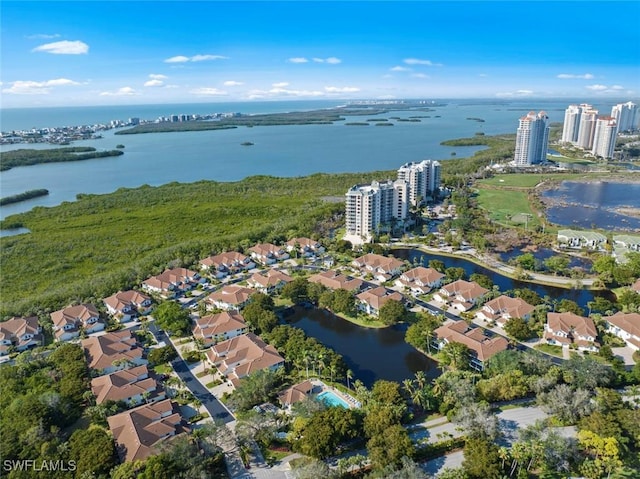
(160, 158)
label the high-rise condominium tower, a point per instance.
(423, 179)
(588, 121)
(369, 206)
(571, 126)
(626, 115)
(532, 139)
(604, 138)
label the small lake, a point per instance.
(594, 204)
(580, 296)
(371, 354)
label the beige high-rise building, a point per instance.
(626, 115)
(587, 131)
(532, 139)
(423, 179)
(604, 138)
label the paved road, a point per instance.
(216, 409)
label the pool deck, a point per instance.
(347, 398)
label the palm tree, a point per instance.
(332, 370)
(349, 377)
(421, 379)
(407, 384)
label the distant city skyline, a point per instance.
(118, 53)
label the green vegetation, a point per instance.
(27, 195)
(102, 243)
(26, 157)
(508, 207)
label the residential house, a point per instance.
(227, 263)
(138, 432)
(297, 392)
(371, 300)
(269, 282)
(305, 246)
(127, 305)
(581, 239)
(503, 308)
(626, 326)
(68, 321)
(172, 282)
(481, 346)
(132, 386)
(229, 298)
(334, 280)
(267, 253)
(462, 295)
(383, 268)
(420, 280)
(113, 351)
(214, 328)
(20, 334)
(623, 244)
(565, 329)
(238, 357)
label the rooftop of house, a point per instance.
(473, 338)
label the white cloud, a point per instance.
(419, 75)
(517, 93)
(400, 69)
(483, 75)
(596, 87)
(346, 89)
(330, 60)
(155, 76)
(298, 60)
(280, 92)
(154, 83)
(232, 83)
(43, 36)
(417, 61)
(571, 76)
(155, 80)
(37, 88)
(617, 87)
(206, 91)
(64, 47)
(281, 84)
(194, 58)
(124, 91)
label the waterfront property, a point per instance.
(238, 357)
(20, 334)
(566, 329)
(461, 295)
(626, 326)
(371, 300)
(229, 298)
(333, 280)
(112, 352)
(481, 346)
(622, 244)
(139, 431)
(213, 328)
(297, 392)
(127, 305)
(132, 386)
(68, 321)
(581, 239)
(503, 308)
(223, 264)
(420, 280)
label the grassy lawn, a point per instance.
(550, 349)
(163, 369)
(365, 321)
(526, 180)
(507, 206)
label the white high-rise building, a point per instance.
(604, 138)
(626, 116)
(588, 121)
(532, 139)
(370, 206)
(571, 125)
(423, 179)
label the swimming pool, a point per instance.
(330, 399)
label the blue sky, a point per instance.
(117, 52)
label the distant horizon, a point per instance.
(102, 53)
